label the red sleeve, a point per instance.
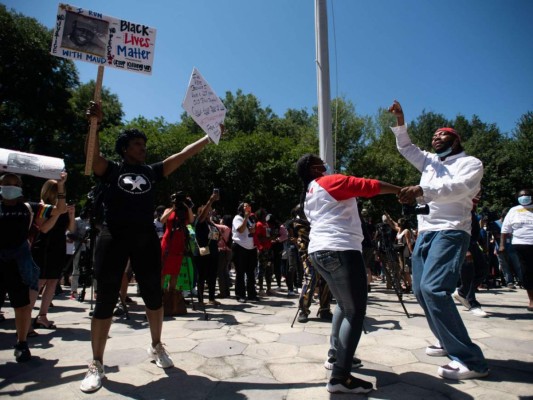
(342, 187)
(259, 235)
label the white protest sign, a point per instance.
(90, 36)
(204, 106)
(30, 164)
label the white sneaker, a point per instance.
(478, 312)
(93, 378)
(160, 356)
(457, 371)
(461, 299)
(436, 350)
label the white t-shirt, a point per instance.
(519, 222)
(244, 239)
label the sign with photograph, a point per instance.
(30, 164)
(204, 106)
(90, 36)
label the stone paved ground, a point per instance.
(250, 351)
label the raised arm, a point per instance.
(173, 162)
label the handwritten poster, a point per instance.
(30, 164)
(204, 106)
(90, 36)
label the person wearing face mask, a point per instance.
(335, 249)
(450, 180)
(18, 271)
(519, 223)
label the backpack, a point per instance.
(98, 195)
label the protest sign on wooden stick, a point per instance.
(91, 140)
(90, 36)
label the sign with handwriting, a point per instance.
(204, 106)
(90, 36)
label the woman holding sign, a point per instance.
(128, 232)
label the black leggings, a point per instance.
(111, 256)
(11, 283)
(207, 272)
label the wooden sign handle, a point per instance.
(91, 140)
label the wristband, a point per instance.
(61, 196)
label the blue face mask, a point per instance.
(445, 152)
(11, 192)
(524, 200)
(328, 170)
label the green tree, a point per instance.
(34, 86)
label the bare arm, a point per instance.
(46, 224)
(503, 238)
(165, 215)
(207, 208)
(71, 218)
(388, 188)
(408, 241)
(173, 162)
(61, 206)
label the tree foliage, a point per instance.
(42, 110)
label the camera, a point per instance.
(417, 209)
(180, 198)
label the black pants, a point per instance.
(245, 263)
(525, 255)
(207, 272)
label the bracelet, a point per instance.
(61, 196)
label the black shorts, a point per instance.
(11, 282)
(112, 253)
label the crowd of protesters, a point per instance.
(177, 247)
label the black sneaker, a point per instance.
(118, 311)
(328, 364)
(349, 385)
(326, 315)
(302, 317)
(22, 352)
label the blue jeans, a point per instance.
(345, 273)
(437, 260)
(509, 262)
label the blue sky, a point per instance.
(451, 57)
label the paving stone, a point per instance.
(249, 351)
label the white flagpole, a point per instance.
(323, 86)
